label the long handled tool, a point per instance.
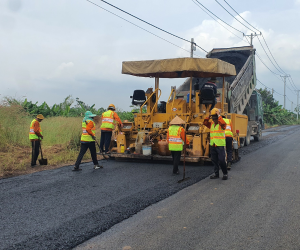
(106, 158)
(42, 161)
(184, 152)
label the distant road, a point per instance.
(60, 209)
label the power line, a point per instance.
(149, 24)
(267, 54)
(269, 88)
(217, 20)
(292, 82)
(233, 16)
(240, 16)
(218, 17)
(272, 54)
(140, 27)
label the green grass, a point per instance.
(60, 145)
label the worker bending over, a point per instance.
(229, 139)
(217, 142)
(35, 136)
(109, 119)
(87, 141)
(177, 139)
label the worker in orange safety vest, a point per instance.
(35, 136)
(217, 142)
(109, 120)
(177, 139)
(87, 141)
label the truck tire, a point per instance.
(258, 136)
(242, 142)
(248, 137)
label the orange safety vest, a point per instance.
(175, 141)
(85, 136)
(228, 132)
(108, 119)
(217, 135)
(32, 134)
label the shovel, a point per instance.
(42, 161)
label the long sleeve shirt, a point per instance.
(116, 118)
(221, 122)
(182, 136)
(89, 127)
(36, 129)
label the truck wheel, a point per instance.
(242, 142)
(248, 137)
(259, 136)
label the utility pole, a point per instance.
(252, 36)
(297, 103)
(193, 47)
(292, 108)
(284, 80)
(272, 91)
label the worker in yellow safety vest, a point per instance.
(35, 136)
(229, 139)
(109, 120)
(88, 139)
(177, 140)
(217, 142)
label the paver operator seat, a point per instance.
(138, 97)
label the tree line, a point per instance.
(275, 114)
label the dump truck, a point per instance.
(145, 138)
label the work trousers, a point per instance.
(83, 148)
(105, 140)
(218, 159)
(176, 160)
(35, 151)
(229, 148)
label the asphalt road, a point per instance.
(257, 208)
(60, 209)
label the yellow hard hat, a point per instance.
(111, 106)
(40, 116)
(214, 111)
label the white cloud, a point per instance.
(65, 66)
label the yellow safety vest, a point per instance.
(175, 141)
(228, 132)
(108, 119)
(217, 135)
(32, 135)
(85, 136)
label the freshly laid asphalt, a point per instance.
(257, 208)
(60, 209)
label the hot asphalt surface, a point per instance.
(59, 209)
(257, 208)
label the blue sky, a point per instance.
(54, 48)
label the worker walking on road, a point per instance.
(109, 119)
(229, 139)
(35, 136)
(177, 140)
(87, 141)
(217, 142)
